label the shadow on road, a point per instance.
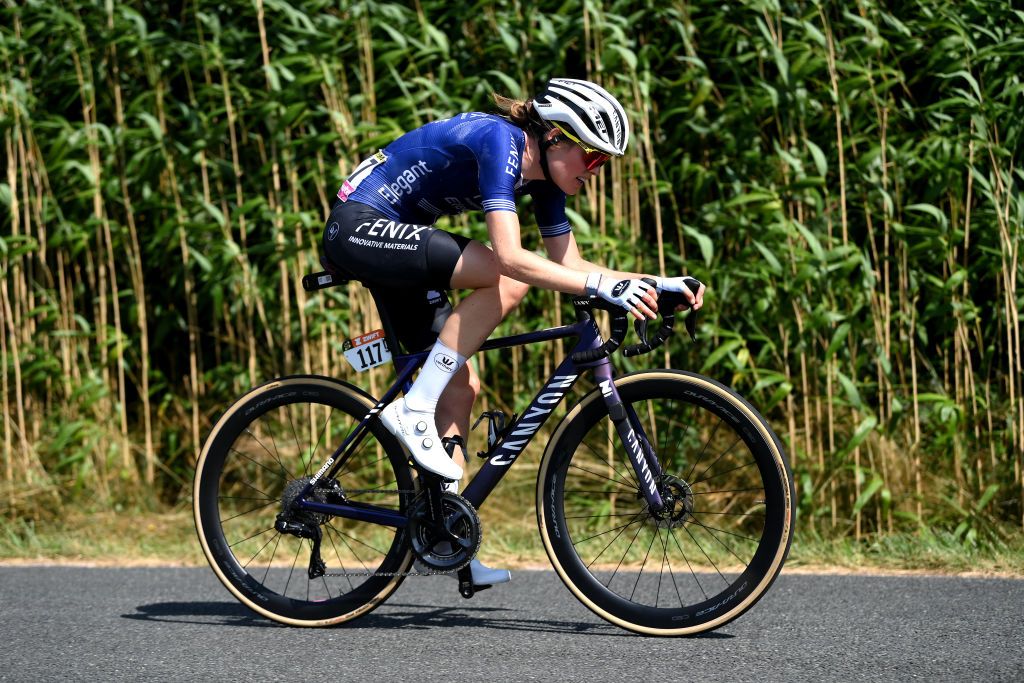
(391, 616)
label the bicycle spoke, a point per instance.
(671, 572)
(601, 460)
(623, 558)
(249, 538)
(350, 536)
(272, 555)
(274, 456)
(291, 572)
(740, 467)
(588, 538)
(688, 565)
(621, 483)
(707, 443)
(723, 454)
(732, 514)
(242, 514)
(261, 547)
(704, 552)
(642, 565)
(721, 530)
(338, 555)
(259, 464)
(598, 516)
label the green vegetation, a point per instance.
(845, 176)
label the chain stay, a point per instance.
(387, 574)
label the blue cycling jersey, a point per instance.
(468, 162)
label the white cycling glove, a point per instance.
(675, 284)
(680, 285)
(625, 293)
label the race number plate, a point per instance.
(367, 351)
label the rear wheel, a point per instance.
(723, 535)
(258, 457)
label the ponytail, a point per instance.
(521, 114)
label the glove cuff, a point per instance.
(593, 283)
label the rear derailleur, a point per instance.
(305, 523)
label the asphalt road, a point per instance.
(70, 623)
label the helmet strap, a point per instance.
(546, 142)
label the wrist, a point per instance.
(593, 283)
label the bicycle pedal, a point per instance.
(466, 587)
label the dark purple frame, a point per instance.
(503, 454)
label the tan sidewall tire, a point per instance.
(329, 384)
(769, 438)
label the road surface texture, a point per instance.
(170, 624)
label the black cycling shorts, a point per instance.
(407, 267)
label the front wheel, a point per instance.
(722, 538)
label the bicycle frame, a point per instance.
(503, 453)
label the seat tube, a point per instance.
(631, 436)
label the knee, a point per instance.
(512, 292)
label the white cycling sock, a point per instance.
(439, 368)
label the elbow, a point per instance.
(509, 263)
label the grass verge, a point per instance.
(169, 538)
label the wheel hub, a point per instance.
(677, 498)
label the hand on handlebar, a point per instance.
(686, 286)
(636, 296)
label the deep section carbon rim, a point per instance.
(719, 542)
(260, 454)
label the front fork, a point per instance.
(631, 434)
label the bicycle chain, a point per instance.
(388, 574)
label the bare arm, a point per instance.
(564, 250)
(525, 266)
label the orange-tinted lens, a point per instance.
(594, 160)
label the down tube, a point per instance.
(522, 432)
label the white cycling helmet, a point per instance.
(587, 112)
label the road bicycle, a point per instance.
(664, 499)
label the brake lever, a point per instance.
(691, 325)
(691, 320)
(640, 327)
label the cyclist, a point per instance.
(381, 232)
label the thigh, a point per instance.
(378, 251)
(477, 267)
(414, 315)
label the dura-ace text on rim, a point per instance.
(720, 540)
(262, 450)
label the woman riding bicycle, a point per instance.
(380, 232)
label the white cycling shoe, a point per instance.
(483, 576)
(486, 576)
(417, 432)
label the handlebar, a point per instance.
(667, 303)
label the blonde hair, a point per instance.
(521, 114)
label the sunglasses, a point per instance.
(593, 159)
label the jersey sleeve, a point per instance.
(499, 152)
(549, 208)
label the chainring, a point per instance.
(439, 553)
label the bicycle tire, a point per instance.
(278, 433)
(586, 489)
